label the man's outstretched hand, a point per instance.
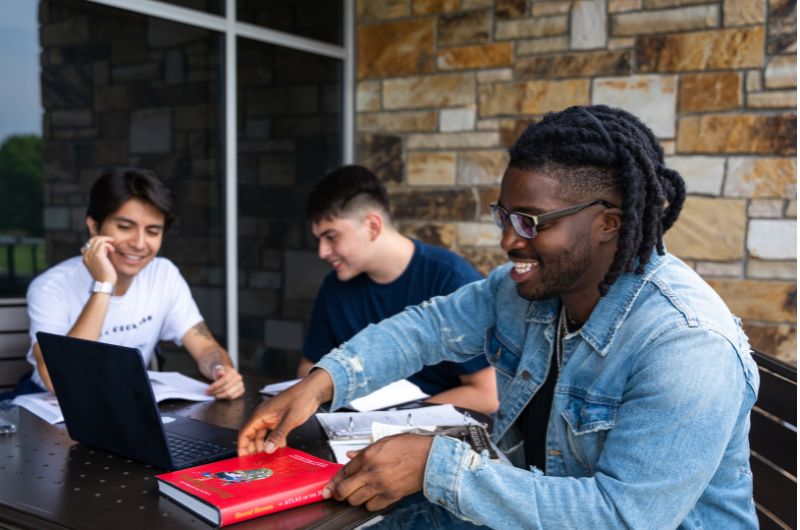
(270, 424)
(383, 472)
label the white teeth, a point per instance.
(523, 267)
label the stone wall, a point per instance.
(445, 86)
(290, 106)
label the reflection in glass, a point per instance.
(290, 113)
(316, 19)
(22, 252)
(214, 7)
(119, 88)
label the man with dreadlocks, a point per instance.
(625, 383)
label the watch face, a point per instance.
(103, 287)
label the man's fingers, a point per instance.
(260, 441)
(279, 415)
(216, 388)
(223, 393)
(277, 437)
(356, 488)
(330, 487)
(347, 481)
(251, 436)
(247, 448)
(378, 502)
(369, 497)
(237, 391)
(229, 386)
(230, 391)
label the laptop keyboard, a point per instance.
(182, 448)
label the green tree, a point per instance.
(21, 186)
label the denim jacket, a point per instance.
(650, 416)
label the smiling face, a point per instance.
(137, 229)
(344, 244)
(562, 259)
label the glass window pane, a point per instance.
(121, 88)
(22, 251)
(290, 133)
(213, 7)
(315, 19)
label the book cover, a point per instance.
(241, 488)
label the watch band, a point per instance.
(103, 287)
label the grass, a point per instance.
(23, 256)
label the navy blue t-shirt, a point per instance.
(342, 309)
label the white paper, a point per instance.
(43, 404)
(382, 430)
(340, 449)
(345, 436)
(166, 385)
(337, 424)
(277, 388)
(174, 385)
(396, 393)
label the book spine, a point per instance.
(269, 504)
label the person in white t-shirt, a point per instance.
(119, 292)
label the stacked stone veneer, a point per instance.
(445, 86)
(290, 106)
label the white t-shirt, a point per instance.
(157, 306)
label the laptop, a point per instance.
(107, 402)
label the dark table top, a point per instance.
(48, 481)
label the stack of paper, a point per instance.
(43, 404)
(397, 393)
(174, 385)
(352, 431)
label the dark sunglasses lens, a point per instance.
(524, 226)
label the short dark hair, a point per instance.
(346, 189)
(599, 149)
(118, 185)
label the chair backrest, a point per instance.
(14, 341)
(773, 444)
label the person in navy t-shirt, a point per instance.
(377, 273)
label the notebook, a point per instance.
(107, 402)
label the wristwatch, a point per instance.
(103, 287)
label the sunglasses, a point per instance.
(527, 226)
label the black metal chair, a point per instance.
(773, 444)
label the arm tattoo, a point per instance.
(202, 330)
(212, 358)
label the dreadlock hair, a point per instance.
(598, 149)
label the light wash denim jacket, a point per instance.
(650, 417)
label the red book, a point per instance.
(241, 488)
